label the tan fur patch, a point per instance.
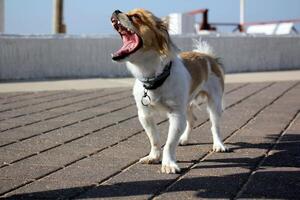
(196, 64)
(151, 29)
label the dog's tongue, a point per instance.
(130, 42)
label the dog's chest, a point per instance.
(160, 103)
(152, 100)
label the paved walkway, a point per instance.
(85, 144)
(99, 83)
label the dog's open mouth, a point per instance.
(131, 41)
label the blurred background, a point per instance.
(92, 16)
(58, 39)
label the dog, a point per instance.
(168, 81)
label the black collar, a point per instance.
(157, 81)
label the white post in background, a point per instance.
(2, 16)
(242, 12)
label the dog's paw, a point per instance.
(183, 141)
(149, 160)
(170, 168)
(220, 148)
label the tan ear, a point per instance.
(166, 21)
(163, 37)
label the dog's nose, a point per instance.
(117, 12)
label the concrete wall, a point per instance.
(254, 53)
(59, 57)
(44, 57)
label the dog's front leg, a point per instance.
(151, 130)
(177, 125)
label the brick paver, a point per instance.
(86, 145)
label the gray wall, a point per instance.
(44, 57)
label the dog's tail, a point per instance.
(202, 46)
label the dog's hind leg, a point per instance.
(189, 125)
(214, 108)
(153, 135)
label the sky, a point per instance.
(93, 16)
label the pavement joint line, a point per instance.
(39, 97)
(60, 115)
(104, 180)
(69, 124)
(202, 158)
(48, 95)
(237, 88)
(127, 167)
(89, 99)
(84, 101)
(53, 171)
(264, 157)
(16, 95)
(63, 143)
(74, 139)
(34, 104)
(241, 100)
(17, 187)
(79, 101)
(38, 103)
(230, 91)
(67, 104)
(18, 160)
(68, 164)
(242, 86)
(256, 92)
(48, 109)
(68, 141)
(6, 100)
(93, 153)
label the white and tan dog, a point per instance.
(168, 82)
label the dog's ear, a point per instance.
(154, 28)
(162, 36)
(171, 45)
(166, 21)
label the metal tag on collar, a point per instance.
(146, 100)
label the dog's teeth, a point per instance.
(119, 22)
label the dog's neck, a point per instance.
(148, 64)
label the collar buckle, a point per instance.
(146, 100)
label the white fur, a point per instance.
(202, 46)
(173, 100)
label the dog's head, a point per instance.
(140, 31)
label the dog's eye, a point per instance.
(130, 17)
(134, 17)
